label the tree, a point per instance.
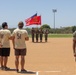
(0, 27)
(45, 26)
(73, 28)
(28, 30)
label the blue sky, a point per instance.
(13, 11)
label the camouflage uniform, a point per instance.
(33, 34)
(37, 35)
(46, 35)
(41, 34)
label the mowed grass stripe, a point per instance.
(58, 35)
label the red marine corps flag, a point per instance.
(36, 20)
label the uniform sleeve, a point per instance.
(9, 35)
(74, 34)
(0, 37)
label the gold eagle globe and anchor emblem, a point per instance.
(35, 19)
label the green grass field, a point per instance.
(58, 35)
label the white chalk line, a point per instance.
(37, 72)
(44, 71)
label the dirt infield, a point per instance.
(52, 58)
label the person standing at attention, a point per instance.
(41, 34)
(33, 34)
(46, 35)
(19, 36)
(37, 34)
(5, 36)
(74, 44)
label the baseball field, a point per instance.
(54, 57)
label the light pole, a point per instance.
(54, 11)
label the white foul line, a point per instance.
(37, 73)
(48, 71)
